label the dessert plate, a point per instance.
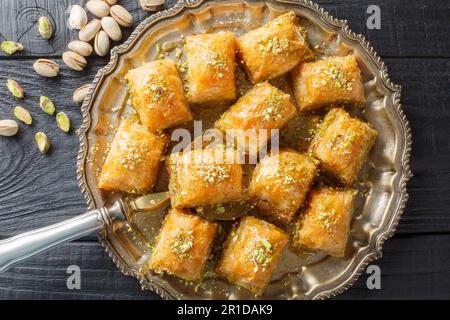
(383, 193)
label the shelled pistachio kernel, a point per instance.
(47, 105)
(8, 128)
(23, 115)
(11, 47)
(63, 121)
(15, 88)
(42, 142)
(45, 27)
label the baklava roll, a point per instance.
(329, 81)
(133, 160)
(280, 183)
(157, 94)
(263, 107)
(211, 67)
(204, 177)
(251, 254)
(342, 145)
(324, 226)
(183, 245)
(273, 49)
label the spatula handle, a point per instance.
(26, 245)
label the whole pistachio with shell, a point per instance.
(46, 68)
(78, 17)
(8, 128)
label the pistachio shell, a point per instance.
(47, 105)
(98, 8)
(101, 44)
(8, 128)
(80, 93)
(23, 115)
(122, 16)
(42, 142)
(112, 28)
(46, 68)
(63, 121)
(88, 32)
(11, 47)
(15, 88)
(74, 60)
(111, 2)
(78, 17)
(80, 47)
(45, 27)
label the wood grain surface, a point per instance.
(38, 190)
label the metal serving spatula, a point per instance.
(26, 245)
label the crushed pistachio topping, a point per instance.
(218, 62)
(156, 89)
(182, 244)
(274, 45)
(302, 31)
(342, 142)
(220, 209)
(132, 155)
(182, 66)
(212, 174)
(333, 76)
(274, 106)
(233, 235)
(262, 255)
(327, 217)
(339, 77)
(288, 179)
(178, 52)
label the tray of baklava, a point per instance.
(273, 104)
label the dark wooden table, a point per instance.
(37, 190)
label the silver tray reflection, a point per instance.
(386, 174)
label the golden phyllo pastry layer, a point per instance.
(183, 245)
(328, 81)
(211, 67)
(133, 160)
(342, 145)
(204, 177)
(280, 183)
(252, 253)
(157, 94)
(263, 107)
(325, 223)
(273, 49)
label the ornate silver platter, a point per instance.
(383, 187)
